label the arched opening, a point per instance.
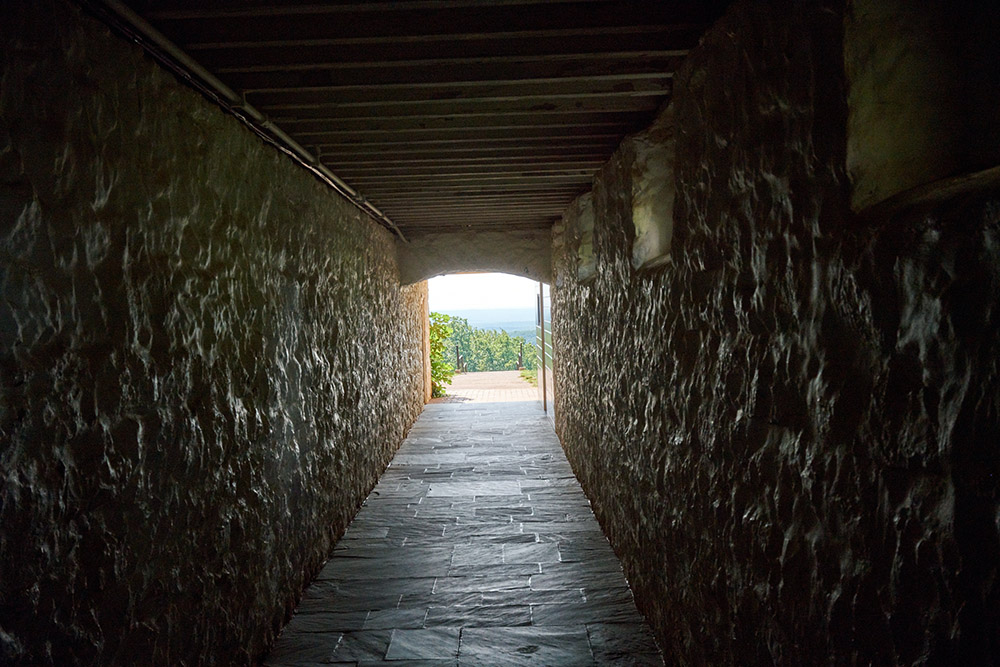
(487, 337)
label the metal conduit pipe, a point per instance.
(137, 29)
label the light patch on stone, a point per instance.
(653, 194)
(580, 223)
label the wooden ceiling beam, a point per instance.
(472, 149)
(467, 167)
(293, 53)
(475, 199)
(440, 60)
(390, 161)
(466, 174)
(179, 9)
(445, 228)
(509, 123)
(624, 66)
(363, 95)
(460, 191)
(397, 209)
(450, 109)
(334, 20)
(536, 212)
(480, 136)
(373, 182)
(476, 193)
(473, 222)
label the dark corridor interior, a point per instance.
(772, 235)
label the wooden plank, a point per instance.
(400, 208)
(291, 52)
(403, 174)
(510, 218)
(421, 207)
(441, 72)
(392, 171)
(452, 109)
(504, 122)
(471, 190)
(440, 60)
(178, 9)
(334, 21)
(506, 222)
(445, 228)
(522, 145)
(486, 179)
(479, 135)
(567, 191)
(499, 214)
(404, 204)
(388, 161)
(642, 85)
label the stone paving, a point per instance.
(477, 547)
(490, 387)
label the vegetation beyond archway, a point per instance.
(454, 341)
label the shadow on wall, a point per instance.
(788, 428)
(206, 359)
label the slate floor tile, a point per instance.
(359, 588)
(608, 594)
(476, 530)
(422, 644)
(533, 597)
(525, 646)
(623, 644)
(327, 621)
(564, 580)
(299, 649)
(481, 583)
(381, 619)
(486, 616)
(537, 552)
(460, 599)
(475, 489)
(580, 613)
(510, 569)
(449, 662)
(477, 554)
(353, 602)
(362, 645)
(461, 531)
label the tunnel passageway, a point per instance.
(477, 546)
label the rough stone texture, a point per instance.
(521, 253)
(789, 433)
(205, 361)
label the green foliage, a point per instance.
(487, 349)
(531, 375)
(441, 370)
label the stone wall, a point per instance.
(790, 432)
(205, 360)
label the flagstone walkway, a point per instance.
(477, 547)
(489, 387)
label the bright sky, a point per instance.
(462, 291)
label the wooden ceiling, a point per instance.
(448, 114)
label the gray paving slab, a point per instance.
(477, 546)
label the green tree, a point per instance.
(487, 349)
(461, 336)
(441, 370)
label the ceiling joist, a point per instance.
(447, 114)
